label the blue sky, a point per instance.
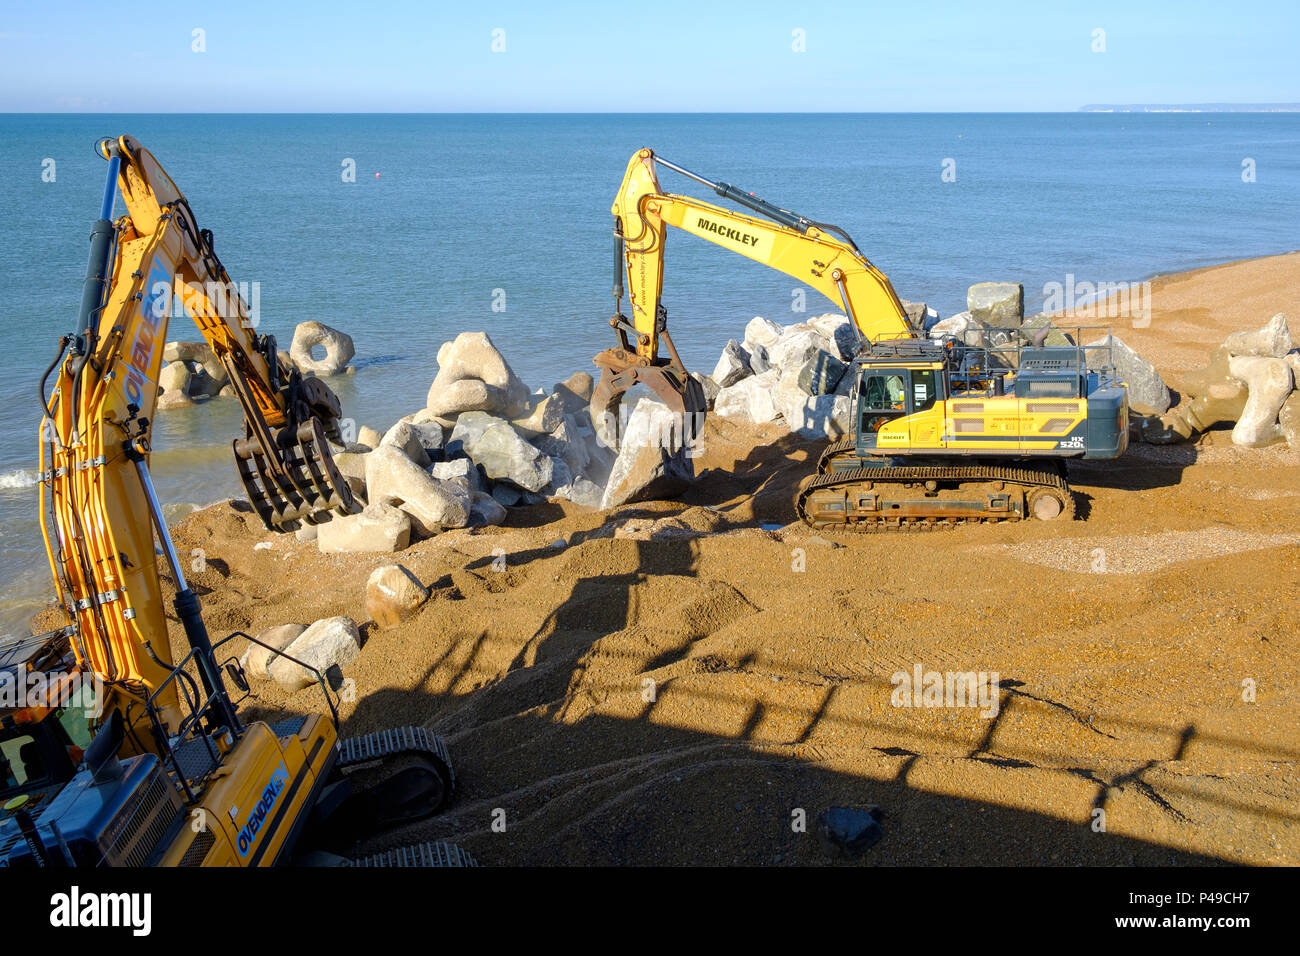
(357, 56)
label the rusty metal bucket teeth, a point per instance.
(304, 485)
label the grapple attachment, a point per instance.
(298, 482)
(620, 370)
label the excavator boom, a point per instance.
(151, 265)
(817, 254)
(174, 776)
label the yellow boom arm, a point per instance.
(810, 252)
(99, 511)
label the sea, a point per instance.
(403, 230)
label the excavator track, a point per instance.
(833, 451)
(393, 778)
(918, 497)
(386, 746)
(437, 853)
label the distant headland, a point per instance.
(1191, 108)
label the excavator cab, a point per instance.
(881, 399)
(888, 394)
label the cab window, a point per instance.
(883, 392)
(20, 761)
(924, 390)
(883, 399)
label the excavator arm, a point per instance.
(817, 254)
(100, 513)
(259, 790)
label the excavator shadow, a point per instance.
(602, 742)
(594, 789)
(1141, 468)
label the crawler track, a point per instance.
(917, 497)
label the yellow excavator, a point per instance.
(173, 775)
(943, 432)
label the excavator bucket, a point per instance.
(298, 482)
(620, 371)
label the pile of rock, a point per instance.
(193, 372)
(485, 442)
(793, 374)
(1250, 380)
(393, 594)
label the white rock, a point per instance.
(202, 385)
(449, 399)
(471, 357)
(751, 399)
(565, 442)
(1145, 386)
(338, 346)
(997, 304)
(257, 658)
(175, 378)
(1269, 383)
(575, 391)
(586, 492)
(1288, 420)
(352, 466)
(652, 458)
(761, 331)
(462, 469)
(430, 435)
(433, 505)
(378, 527)
(819, 416)
(797, 345)
(733, 365)
(955, 326)
(330, 642)
(501, 451)
(393, 594)
(816, 374)
(506, 495)
(545, 417)
(173, 400)
(404, 437)
(486, 511)
(200, 353)
(561, 479)
(839, 330)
